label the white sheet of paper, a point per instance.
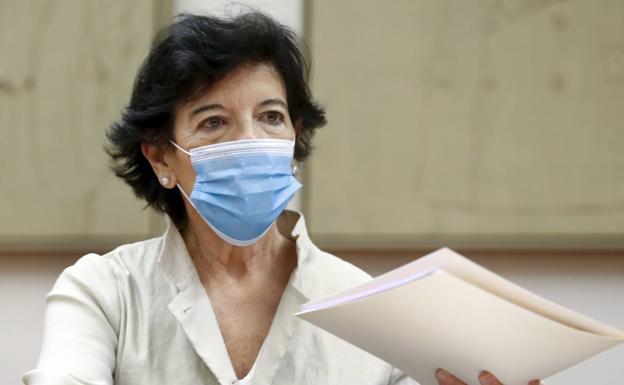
(443, 310)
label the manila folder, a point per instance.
(445, 311)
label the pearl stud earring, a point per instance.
(165, 181)
(295, 170)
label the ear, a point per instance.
(156, 156)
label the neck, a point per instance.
(217, 261)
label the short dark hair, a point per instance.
(185, 59)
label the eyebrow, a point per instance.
(207, 108)
(272, 101)
(264, 103)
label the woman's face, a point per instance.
(249, 103)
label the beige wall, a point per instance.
(66, 71)
(493, 123)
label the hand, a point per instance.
(485, 378)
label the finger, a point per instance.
(536, 382)
(487, 378)
(446, 378)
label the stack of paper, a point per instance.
(444, 311)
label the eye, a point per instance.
(273, 117)
(212, 123)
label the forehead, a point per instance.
(248, 82)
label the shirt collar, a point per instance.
(177, 265)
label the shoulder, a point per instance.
(340, 269)
(122, 261)
(103, 281)
(100, 276)
(328, 273)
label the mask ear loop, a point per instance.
(180, 148)
(177, 184)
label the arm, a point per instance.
(80, 328)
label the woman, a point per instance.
(219, 112)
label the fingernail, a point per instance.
(442, 375)
(486, 379)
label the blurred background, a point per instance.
(494, 127)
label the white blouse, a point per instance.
(140, 315)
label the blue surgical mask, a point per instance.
(241, 187)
